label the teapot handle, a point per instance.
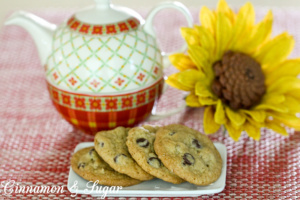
(148, 26)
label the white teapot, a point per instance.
(103, 66)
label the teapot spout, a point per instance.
(39, 29)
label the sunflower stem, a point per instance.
(224, 130)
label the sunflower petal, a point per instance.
(224, 8)
(276, 127)
(223, 34)
(181, 61)
(275, 107)
(256, 115)
(255, 123)
(190, 35)
(210, 126)
(287, 119)
(192, 100)
(247, 14)
(287, 68)
(294, 93)
(203, 90)
(273, 98)
(206, 38)
(236, 118)
(190, 77)
(261, 32)
(244, 22)
(201, 58)
(272, 101)
(234, 133)
(220, 117)
(208, 101)
(292, 104)
(252, 130)
(275, 51)
(284, 84)
(173, 81)
(292, 123)
(208, 19)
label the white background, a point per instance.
(7, 6)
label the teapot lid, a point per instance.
(104, 19)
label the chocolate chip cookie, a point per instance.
(111, 146)
(188, 153)
(90, 166)
(140, 143)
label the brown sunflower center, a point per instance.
(239, 80)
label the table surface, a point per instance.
(36, 143)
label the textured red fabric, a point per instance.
(36, 143)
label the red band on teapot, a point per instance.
(103, 29)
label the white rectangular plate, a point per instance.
(152, 188)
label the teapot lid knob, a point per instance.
(103, 13)
(103, 3)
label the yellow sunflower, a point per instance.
(238, 73)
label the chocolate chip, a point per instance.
(172, 133)
(91, 152)
(117, 157)
(101, 144)
(196, 143)
(154, 162)
(188, 159)
(142, 142)
(81, 165)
